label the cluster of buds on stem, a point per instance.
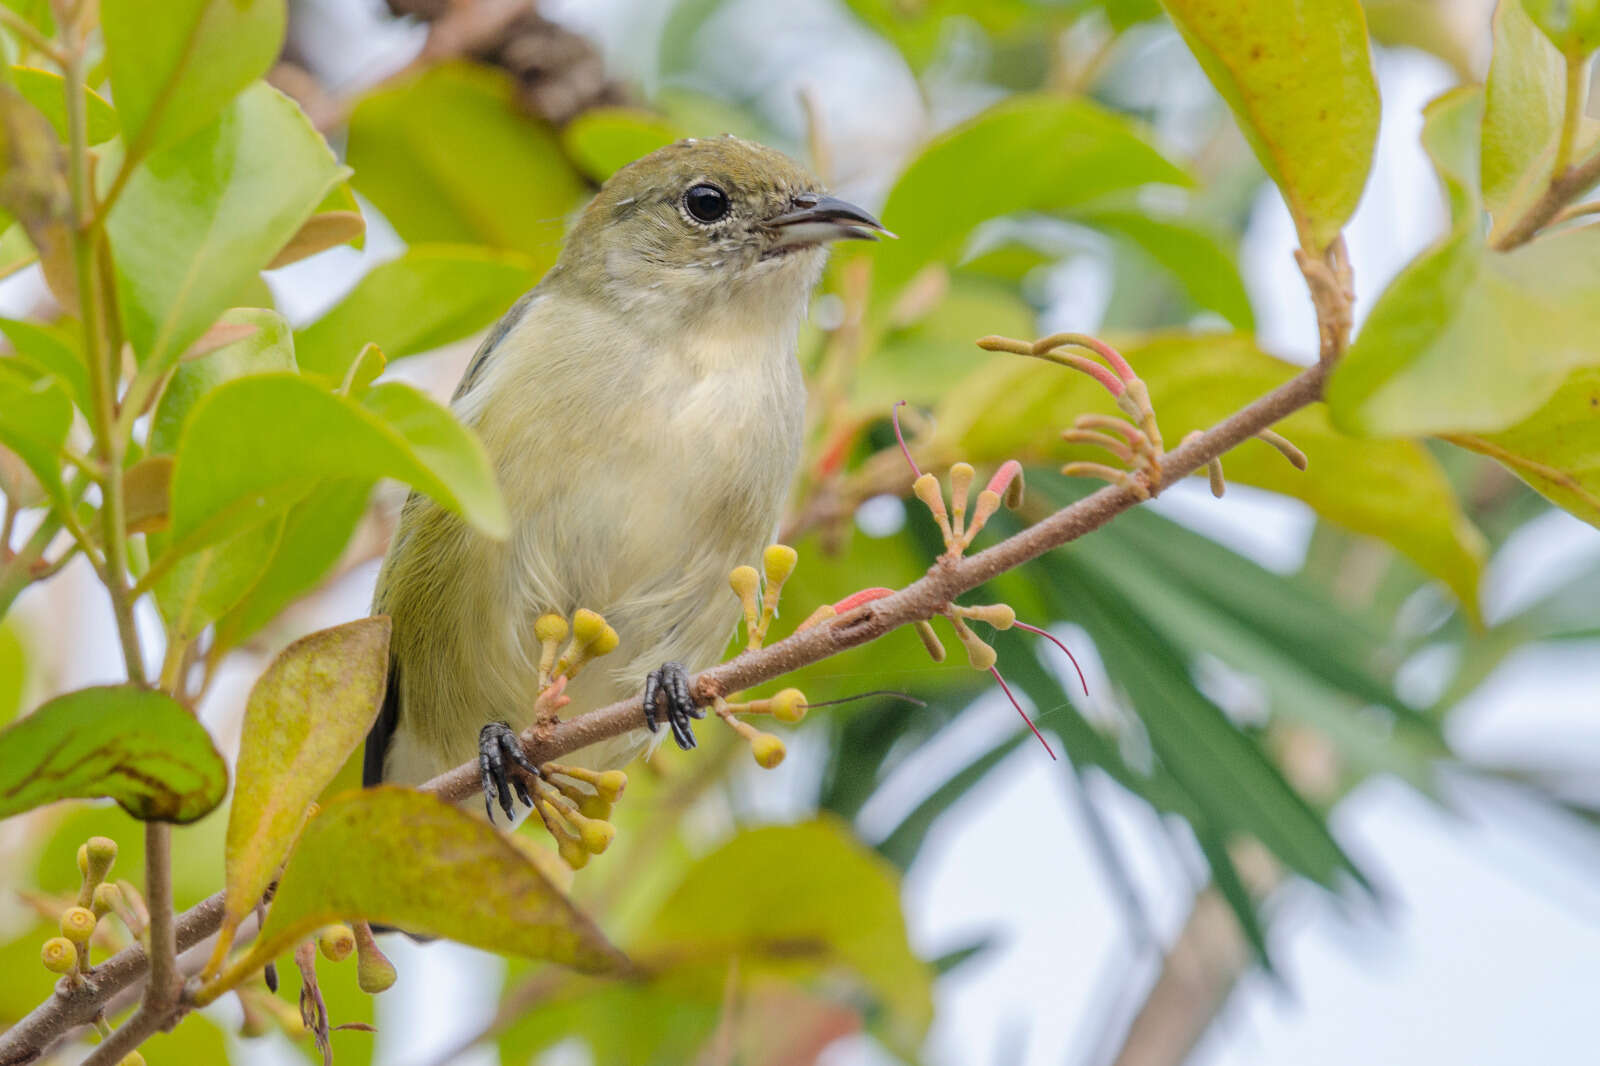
(575, 806)
(98, 896)
(760, 599)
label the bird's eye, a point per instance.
(706, 203)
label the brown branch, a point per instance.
(1565, 187)
(920, 600)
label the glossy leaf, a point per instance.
(308, 711)
(45, 90)
(134, 745)
(175, 70)
(1013, 408)
(1299, 79)
(200, 219)
(1465, 340)
(792, 882)
(450, 156)
(1522, 108)
(35, 415)
(357, 858)
(428, 297)
(603, 140)
(296, 434)
(1556, 449)
(1025, 153)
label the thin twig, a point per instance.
(1564, 188)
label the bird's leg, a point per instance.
(499, 758)
(669, 684)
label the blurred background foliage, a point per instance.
(1241, 703)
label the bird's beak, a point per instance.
(817, 219)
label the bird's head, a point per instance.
(709, 223)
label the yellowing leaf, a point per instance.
(1298, 76)
(1393, 490)
(804, 895)
(1556, 449)
(306, 714)
(134, 745)
(407, 859)
(175, 66)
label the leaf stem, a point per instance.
(36, 40)
(1577, 69)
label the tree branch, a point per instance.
(1565, 187)
(921, 600)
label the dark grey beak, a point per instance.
(817, 219)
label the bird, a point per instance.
(643, 410)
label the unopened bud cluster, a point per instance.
(955, 527)
(592, 637)
(759, 597)
(68, 954)
(575, 806)
(788, 706)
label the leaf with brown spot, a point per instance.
(306, 714)
(134, 745)
(408, 859)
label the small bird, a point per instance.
(643, 411)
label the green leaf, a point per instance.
(337, 220)
(357, 858)
(1298, 77)
(16, 250)
(255, 445)
(449, 156)
(45, 90)
(1465, 340)
(35, 415)
(13, 672)
(1040, 152)
(197, 221)
(1556, 449)
(134, 745)
(1393, 490)
(1573, 26)
(267, 349)
(1523, 106)
(603, 140)
(204, 584)
(1195, 257)
(307, 712)
(315, 532)
(428, 297)
(810, 884)
(50, 350)
(176, 69)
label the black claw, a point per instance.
(670, 683)
(498, 743)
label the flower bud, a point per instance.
(605, 643)
(817, 617)
(610, 784)
(336, 942)
(59, 955)
(961, 476)
(596, 835)
(374, 972)
(573, 852)
(107, 898)
(779, 561)
(551, 628)
(587, 626)
(930, 640)
(102, 852)
(767, 749)
(789, 706)
(592, 806)
(77, 924)
(999, 615)
(745, 582)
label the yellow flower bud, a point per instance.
(336, 942)
(77, 924)
(102, 852)
(961, 476)
(789, 706)
(930, 641)
(83, 860)
(611, 783)
(605, 643)
(596, 835)
(59, 955)
(592, 806)
(573, 852)
(999, 615)
(768, 750)
(779, 561)
(107, 898)
(550, 628)
(746, 583)
(587, 626)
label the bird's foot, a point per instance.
(668, 685)
(499, 758)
